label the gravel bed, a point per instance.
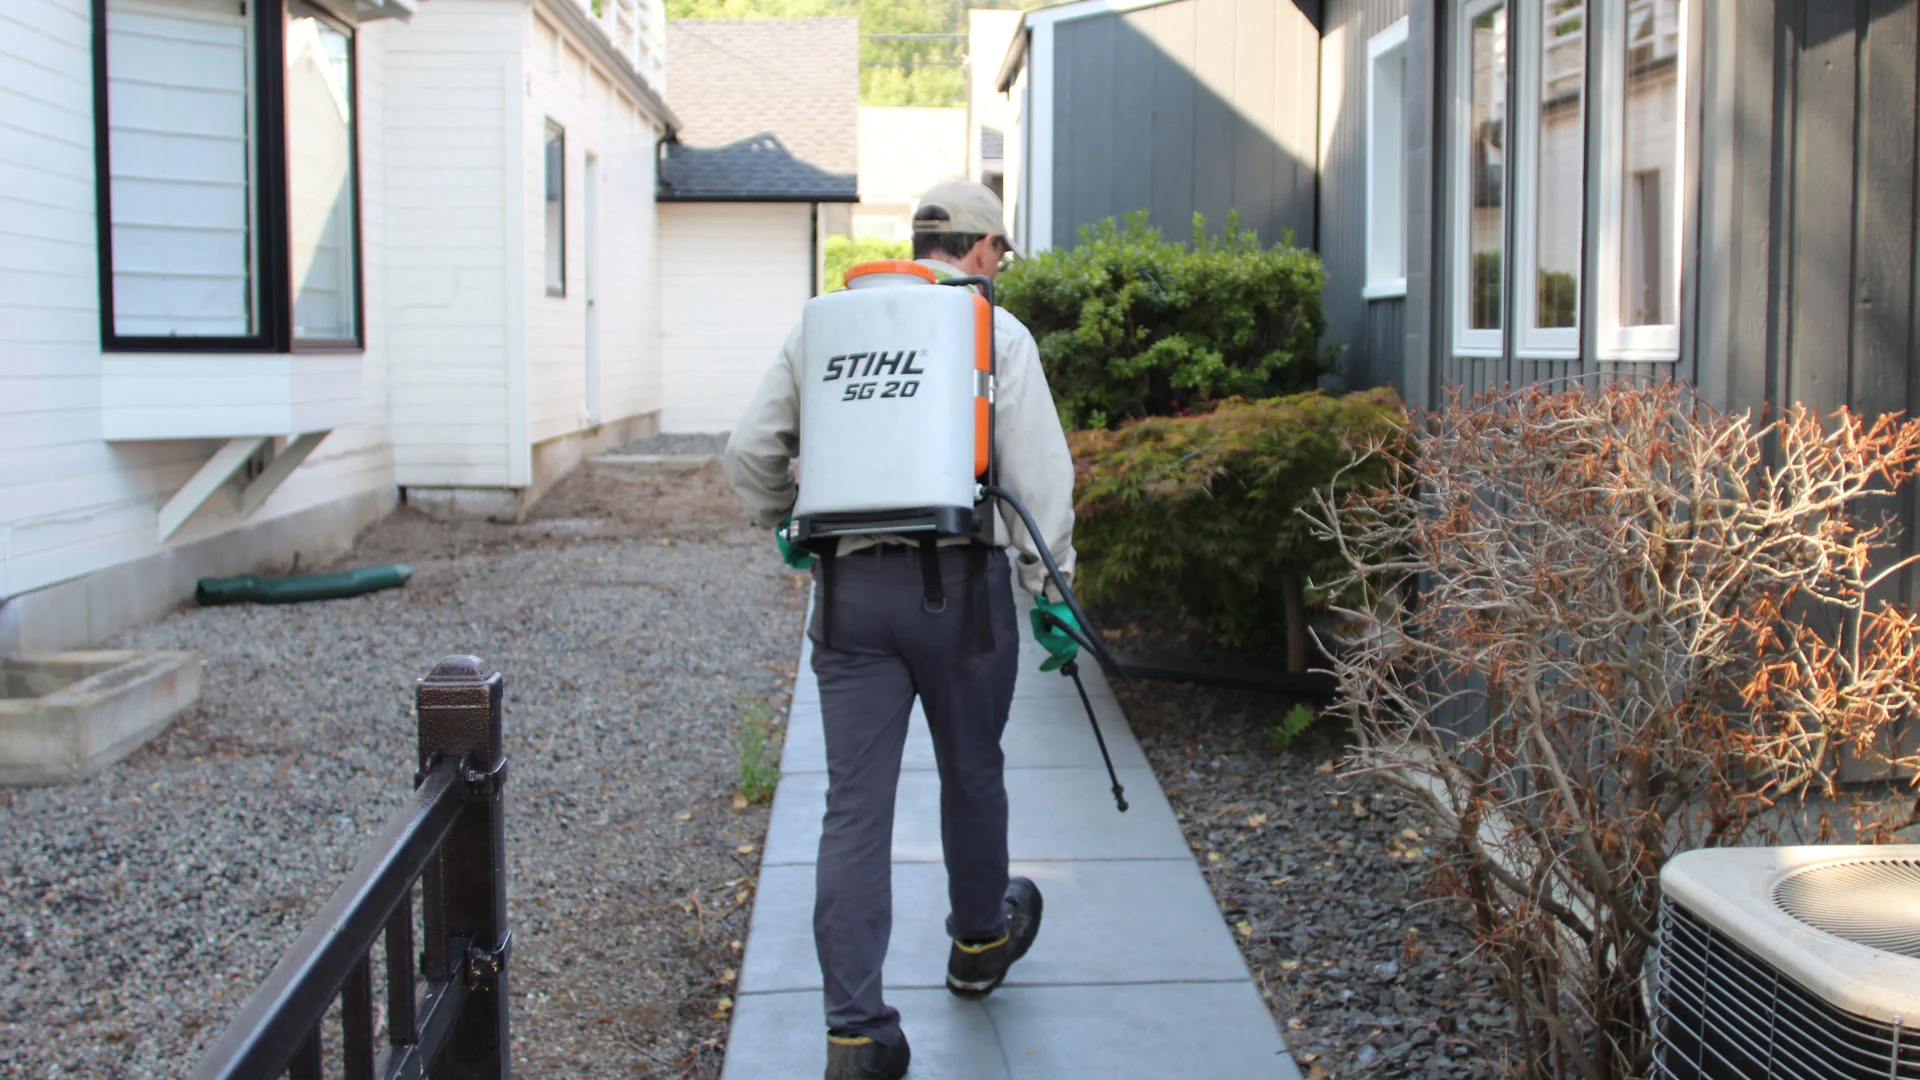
(634, 617)
(1323, 880)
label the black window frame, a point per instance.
(270, 265)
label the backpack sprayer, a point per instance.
(896, 418)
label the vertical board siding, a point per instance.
(1821, 280)
(1884, 233)
(1170, 30)
(1369, 357)
(1375, 360)
(737, 279)
(1203, 106)
(1822, 208)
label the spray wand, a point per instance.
(1082, 635)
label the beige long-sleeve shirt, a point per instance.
(1030, 449)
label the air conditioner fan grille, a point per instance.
(1871, 902)
(1722, 1013)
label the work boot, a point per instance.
(857, 1057)
(974, 968)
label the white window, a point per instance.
(1387, 163)
(1546, 202)
(1478, 193)
(1550, 189)
(556, 209)
(228, 200)
(1642, 136)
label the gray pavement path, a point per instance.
(1134, 974)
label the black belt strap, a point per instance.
(936, 596)
(826, 556)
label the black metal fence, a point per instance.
(446, 1009)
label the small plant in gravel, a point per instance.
(759, 758)
(1290, 727)
(1642, 626)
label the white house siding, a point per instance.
(71, 502)
(455, 104)
(735, 278)
(565, 84)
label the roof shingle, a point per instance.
(769, 109)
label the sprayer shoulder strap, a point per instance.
(827, 554)
(977, 607)
(935, 600)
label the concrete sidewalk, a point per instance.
(1134, 973)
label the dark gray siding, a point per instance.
(1196, 105)
(1371, 334)
(1800, 275)
(1807, 276)
(1373, 359)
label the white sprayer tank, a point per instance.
(895, 405)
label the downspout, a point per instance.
(813, 249)
(667, 134)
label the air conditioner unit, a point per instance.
(1790, 963)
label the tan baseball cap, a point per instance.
(969, 207)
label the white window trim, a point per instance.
(1531, 341)
(1466, 342)
(1378, 46)
(1658, 344)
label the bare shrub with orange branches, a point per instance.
(1594, 628)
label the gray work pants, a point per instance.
(885, 650)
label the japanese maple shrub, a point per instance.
(1199, 514)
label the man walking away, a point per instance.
(887, 644)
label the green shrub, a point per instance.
(842, 253)
(1130, 324)
(1196, 514)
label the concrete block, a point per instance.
(92, 608)
(666, 463)
(502, 504)
(65, 717)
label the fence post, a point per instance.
(465, 889)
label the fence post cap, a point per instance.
(458, 705)
(459, 669)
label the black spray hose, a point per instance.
(1085, 636)
(1089, 640)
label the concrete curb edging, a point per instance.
(66, 717)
